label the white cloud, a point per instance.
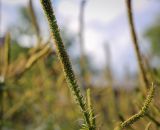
(104, 22)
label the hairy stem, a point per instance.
(64, 59)
(141, 113)
(90, 109)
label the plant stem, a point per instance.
(135, 43)
(141, 113)
(64, 59)
(153, 120)
(83, 59)
(90, 109)
(6, 54)
(1, 104)
(81, 26)
(4, 75)
(34, 21)
(34, 58)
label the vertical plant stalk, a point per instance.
(4, 74)
(81, 25)
(141, 113)
(1, 104)
(83, 69)
(34, 20)
(135, 43)
(90, 109)
(64, 59)
(109, 74)
(6, 54)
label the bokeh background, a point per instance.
(36, 96)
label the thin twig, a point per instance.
(32, 60)
(34, 20)
(135, 43)
(83, 70)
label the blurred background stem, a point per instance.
(1, 104)
(142, 72)
(83, 59)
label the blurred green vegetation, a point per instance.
(37, 98)
(153, 34)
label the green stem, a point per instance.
(141, 113)
(6, 54)
(90, 109)
(64, 59)
(81, 41)
(135, 43)
(34, 20)
(4, 75)
(1, 104)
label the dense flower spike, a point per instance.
(64, 59)
(141, 113)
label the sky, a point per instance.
(105, 23)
